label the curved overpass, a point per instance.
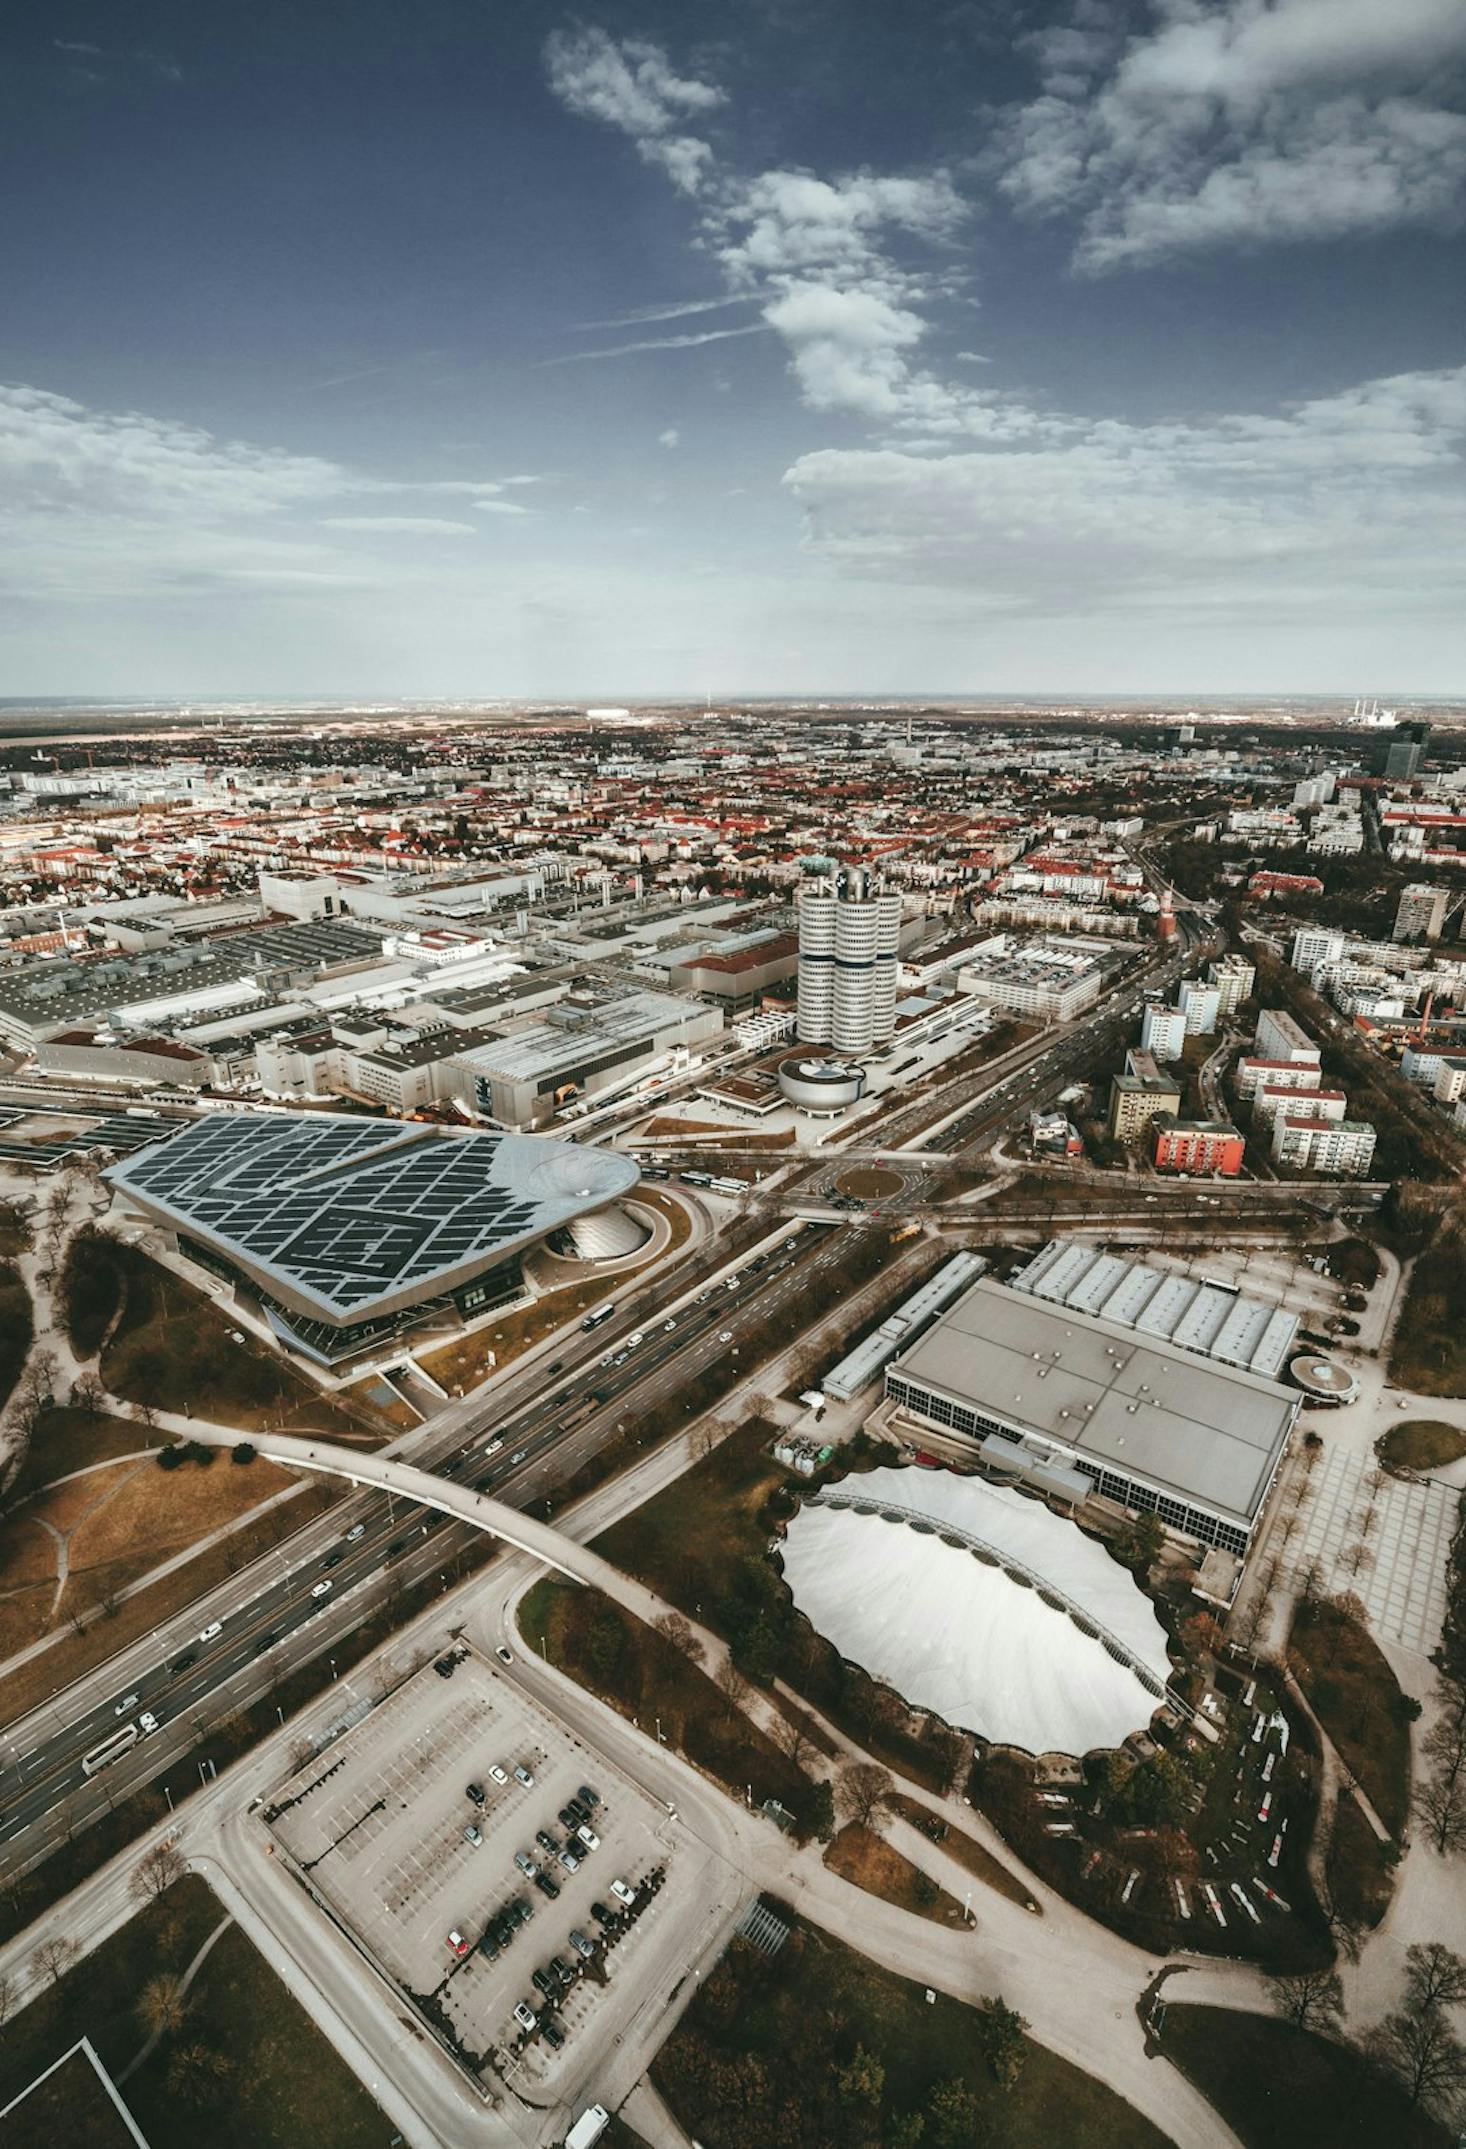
(460, 1501)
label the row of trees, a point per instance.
(1416, 2043)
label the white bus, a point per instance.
(110, 1750)
(594, 1320)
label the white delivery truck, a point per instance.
(589, 2128)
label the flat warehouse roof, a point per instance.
(1205, 1432)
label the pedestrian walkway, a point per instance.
(1386, 1542)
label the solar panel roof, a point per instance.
(345, 1219)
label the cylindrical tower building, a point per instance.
(849, 944)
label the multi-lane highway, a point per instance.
(288, 1606)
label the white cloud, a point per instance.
(817, 253)
(669, 438)
(1250, 122)
(1347, 502)
(632, 86)
(402, 525)
(500, 507)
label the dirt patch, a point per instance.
(153, 1514)
(859, 1855)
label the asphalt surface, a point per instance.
(45, 1792)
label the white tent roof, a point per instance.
(965, 1639)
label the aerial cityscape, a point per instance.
(733, 1078)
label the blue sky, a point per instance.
(805, 346)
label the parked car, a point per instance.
(588, 1798)
(476, 1793)
(471, 1835)
(583, 1947)
(443, 1666)
(457, 1942)
(552, 2033)
(545, 1840)
(525, 2016)
(588, 1837)
(503, 1654)
(547, 1886)
(499, 1775)
(622, 1893)
(524, 1776)
(569, 1860)
(526, 1864)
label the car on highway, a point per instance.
(725, 1335)
(266, 1641)
(322, 1589)
(457, 1942)
(186, 1662)
(634, 1339)
(520, 1455)
(212, 1631)
(333, 1559)
(609, 1359)
(357, 1530)
(147, 1722)
(398, 1544)
(504, 1655)
(126, 1706)
(667, 1325)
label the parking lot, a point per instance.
(460, 1897)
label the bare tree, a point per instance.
(1435, 1975)
(794, 1736)
(157, 1869)
(731, 1684)
(162, 2006)
(1440, 1806)
(1425, 2056)
(675, 1629)
(55, 1956)
(1310, 2000)
(864, 1788)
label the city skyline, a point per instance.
(1096, 348)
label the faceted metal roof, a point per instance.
(347, 1219)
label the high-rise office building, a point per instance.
(849, 943)
(1406, 751)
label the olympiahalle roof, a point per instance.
(348, 1220)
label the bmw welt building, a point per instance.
(350, 1230)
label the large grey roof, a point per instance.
(349, 1219)
(1204, 1432)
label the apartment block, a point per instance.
(1199, 1006)
(1421, 912)
(1279, 1037)
(1315, 947)
(1197, 1145)
(1274, 1100)
(1234, 977)
(1163, 1032)
(1138, 1095)
(1344, 1148)
(1289, 1074)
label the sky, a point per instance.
(426, 349)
